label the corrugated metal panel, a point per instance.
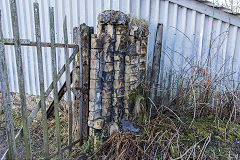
(190, 27)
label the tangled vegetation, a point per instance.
(200, 121)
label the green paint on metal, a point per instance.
(18, 55)
(68, 84)
(41, 79)
(55, 86)
(12, 154)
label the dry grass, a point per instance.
(199, 120)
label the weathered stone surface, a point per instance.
(117, 58)
(106, 94)
(95, 64)
(126, 94)
(131, 77)
(107, 102)
(113, 128)
(106, 107)
(96, 42)
(100, 29)
(126, 111)
(138, 28)
(95, 84)
(107, 76)
(94, 74)
(121, 43)
(134, 85)
(143, 50)
(119, 66)
(119, 75)
(132, 39)
(144, 41)
(95, 95)
(108, 67)
(95, 115)
(91, 130)
(142, 58)
(112, 17)
(109, 29)
(107, 85)
(95, 54)
(131, 50)
(131, 85)
(106, 111)
(117, 84)
(138, 47)
(108, 46)
(142, 66)
(120, 55)
(94, 106)
(132, 59)
(131, 69)
(118, 101)
(118, 92)
(108, 57)
(125, 102)
(116, 109)
(98, 124)
(121, 30)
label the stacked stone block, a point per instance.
(122, 40)
(95, 93)
(143, 56)
(118, 62)
(108, 71)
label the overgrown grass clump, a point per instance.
(196, 118)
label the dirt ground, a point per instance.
(35, 129)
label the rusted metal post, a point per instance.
(18, 54)
(68, 84)
(12, 154)
(55, 86)
(41, 79)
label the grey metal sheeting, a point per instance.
(194, 21)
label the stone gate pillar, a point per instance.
(117, 66)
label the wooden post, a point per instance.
(41, 79)
(80, 83)
(55, 86)
(76, 104)
(18, 54)
(81, 73)
(85, 46)
(156, 64)
(12, 154)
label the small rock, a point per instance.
(113, 128)
(128, 126)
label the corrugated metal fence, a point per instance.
(191, 30)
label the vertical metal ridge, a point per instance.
(85, 11)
